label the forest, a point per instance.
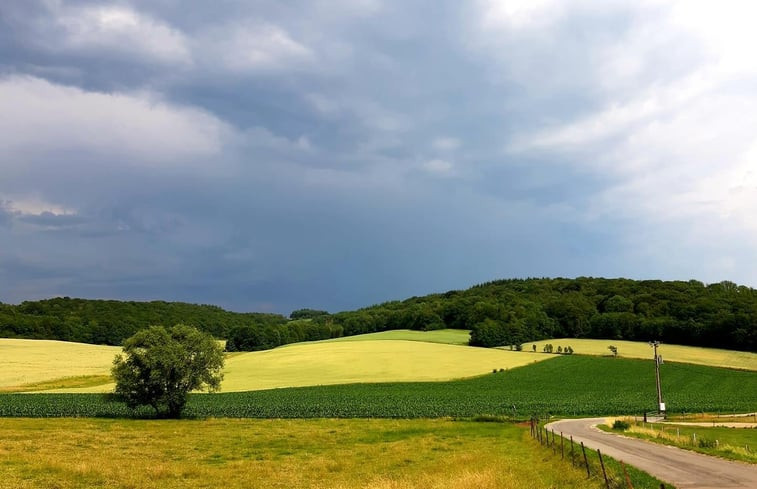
(502, 312)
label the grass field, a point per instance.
(35, 362)
(344, 362)
(300, 364)
(448, 336)
(731, 443)
(566, 385)
(392, 356)
(308, 454)
(670, 353)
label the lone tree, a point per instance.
(613, 350)
(161, 366)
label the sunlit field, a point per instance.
(383, 454)
(327, 363)
(36, 362)
(635, 349)
(301, 364)
(448, 336)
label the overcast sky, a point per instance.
(272, 155)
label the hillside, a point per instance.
(511, 312)
(504, 312)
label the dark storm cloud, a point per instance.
(273, 155)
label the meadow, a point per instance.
(394, 356)
(565, 385)
(33, 363)
(308, 454)
(670, 353)
(447, 336)
(390, 356)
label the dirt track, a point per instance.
(684, 469)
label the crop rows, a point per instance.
(566, 385)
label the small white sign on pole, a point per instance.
(662, 406)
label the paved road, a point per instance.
(684, 469)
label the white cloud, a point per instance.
(446, 144)
(118, 28)
(518, 13)
(439, 167)
(251, 46)
(678, 144)
(48, 118)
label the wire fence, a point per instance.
(613, 473)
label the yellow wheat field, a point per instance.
(636, 349)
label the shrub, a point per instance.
(620, 425)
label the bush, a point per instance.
(707, 443)
(620, 425)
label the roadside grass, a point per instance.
(309, 454)
(714, 418)
(730, 443)
(447, 336)
(637, 349)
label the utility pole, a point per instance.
(657, 361)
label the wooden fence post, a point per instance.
(553, 442)
(572, 457)
(586, 461)
(604, 472)
(562, 447)
(625, 472)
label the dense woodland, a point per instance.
(504, 312)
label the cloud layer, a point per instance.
(269, 156)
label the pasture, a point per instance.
(308, 454)
(637, 349)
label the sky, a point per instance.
(267, 156)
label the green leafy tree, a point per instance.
(159, 367)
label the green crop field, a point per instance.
(566, 385)
(670, 353)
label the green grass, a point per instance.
(568, 385)
(670, 353)
(79, 382)
(732, 443)
(446, 336)
(307, 454)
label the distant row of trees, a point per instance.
(516, 311)
(504, 312)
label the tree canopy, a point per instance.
(159, 367)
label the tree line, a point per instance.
(502, 312)
(515, 311)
